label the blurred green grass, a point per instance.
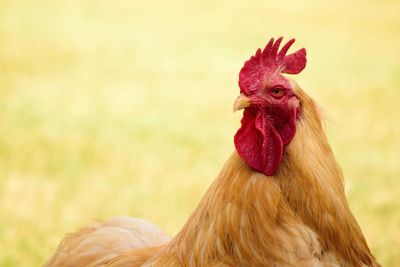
(124, 108)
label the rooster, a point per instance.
(278, 201)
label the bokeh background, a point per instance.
(124, 108)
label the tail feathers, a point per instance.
(98, 244)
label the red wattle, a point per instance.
(258, 143)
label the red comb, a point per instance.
(269, 62)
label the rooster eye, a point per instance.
(277, 92)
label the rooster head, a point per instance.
(271, 108)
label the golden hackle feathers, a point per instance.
(312, 182)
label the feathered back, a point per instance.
(98, 244)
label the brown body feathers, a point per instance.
(298, 217)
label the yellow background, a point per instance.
(124, 108)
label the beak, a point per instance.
(241, 102)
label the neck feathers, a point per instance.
(312, 182)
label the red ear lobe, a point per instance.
(296, 62)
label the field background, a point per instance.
(124, 108)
